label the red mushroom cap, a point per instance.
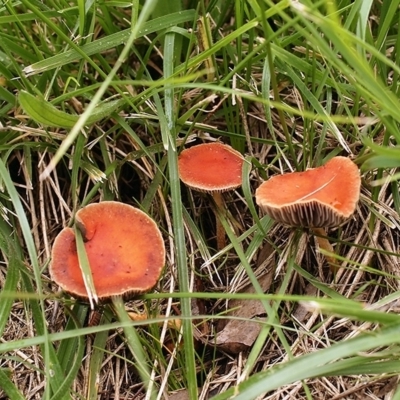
(125, 250)
(321, 197)
(211, 167)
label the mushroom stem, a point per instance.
(220, 231)
(324, 243)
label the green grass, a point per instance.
(97, 99)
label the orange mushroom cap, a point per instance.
(320, 197)
(211, 167)
(124, 247)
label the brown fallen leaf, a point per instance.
(239, 335)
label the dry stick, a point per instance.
(387, 388)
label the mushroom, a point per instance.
(318, 198)
(125, 253)
(124, 248)
(213, 168)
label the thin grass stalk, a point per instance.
(266, 330)
(8, 386)
(13, 270)
(177, 216)
(268, 32)
(65, 145)
(270, 310)
(313, 364)
(96, 359)
(134, 343)
(52, 368)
